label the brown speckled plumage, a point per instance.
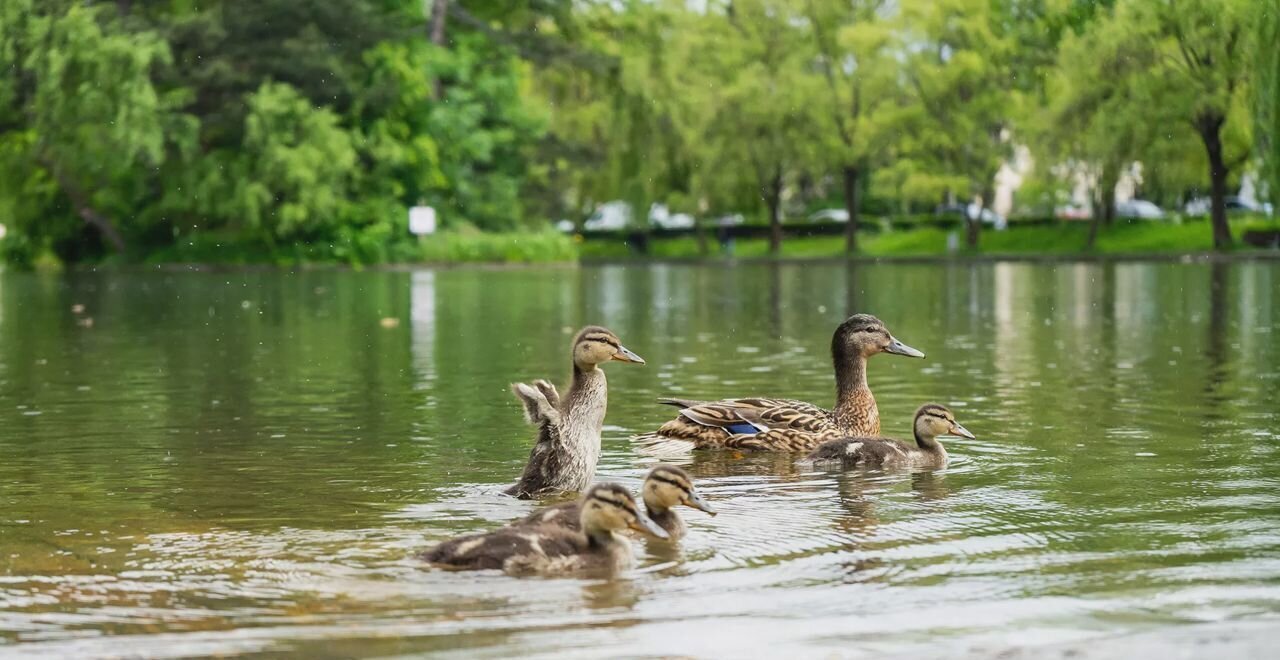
(567, 449)
(929, 422)
(548, 549)
(665, 487)
(786, 424)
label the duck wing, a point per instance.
(546, 460)
(565, 514)
(851, 452)
(712, 425)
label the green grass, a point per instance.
(1138, 237)
(457, 246)
(518, 247)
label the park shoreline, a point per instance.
(1197, 257)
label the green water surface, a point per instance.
(223, 463)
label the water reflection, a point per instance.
(245, 462)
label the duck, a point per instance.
(931, 421)
(786, 424)
(567, 448)
(549, 550)
(665, 487)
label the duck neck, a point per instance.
(855, 410)
(599, 538)
(929, 444)
(664, 517)
(583, 414)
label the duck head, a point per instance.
(667, 486)
(933, 420)
(608, 508)
(866, 335)
(595, 345)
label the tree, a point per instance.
(1266, 102)
(1188, 64)
(957, 66)
(854, 45)
(80, 120)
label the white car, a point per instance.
(1139, 208)
(829, 215)
(612, 216)
(661, 218)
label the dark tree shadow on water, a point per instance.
(1216, 345)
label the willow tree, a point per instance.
(81, 123)
(957, 66)
(1187, 66)
(1266, 101)
(854, 51)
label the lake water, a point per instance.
(245, 462)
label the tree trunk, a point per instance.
(700, 233)
(773, 198)
(851, 175)
(1107, 205)
(1209, 126)
(973, 226)
(80, 201)
(439, 15)
(1094, 223)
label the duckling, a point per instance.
(665, 487)
(931, 421)
(605, 510)
(565, 454)
(785, 424)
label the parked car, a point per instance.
(612, 216)
(970, 211)
(660, 217)
(1073, 212)
(728, 220)
(1234, 204)
(617, 215)
(829, 215)
(1139, 208)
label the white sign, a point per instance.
(422, 220)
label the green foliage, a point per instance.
(296, 130)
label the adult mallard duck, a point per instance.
(665, 487)
(785, 424)
(605, 510)
(931, 421)
(565, 454)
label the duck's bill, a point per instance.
(643, 524)
(625, 355)
(962, 432)
(898, 348)
(696, 501)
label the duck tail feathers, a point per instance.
(680, 403)
(656, 444)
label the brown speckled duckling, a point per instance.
(568, 446)
(665, 487)
(931, 421)
(784, 424)
(605, 510)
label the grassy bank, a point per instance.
(1052, 240)
(471, 246)
(463, 246)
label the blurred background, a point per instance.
(287, 131)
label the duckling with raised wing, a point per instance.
(665, 487)
(784, 424)
(565, 454)
(931, 421)
(546, 549)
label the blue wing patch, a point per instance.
(741, 428)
